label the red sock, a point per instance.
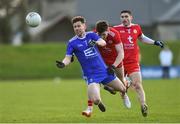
(90, 104)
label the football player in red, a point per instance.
(130, 33)
(112, 55)
(113, 52)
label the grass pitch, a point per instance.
(63, 100)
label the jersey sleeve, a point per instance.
(140, 31)
(94, 36)
(117, 38)
(69, 49)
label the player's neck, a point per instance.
(127, 26)
(81, 36)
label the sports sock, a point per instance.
(90, 105)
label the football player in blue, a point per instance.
(95, 71)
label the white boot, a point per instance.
(127, 102)
(87, 112)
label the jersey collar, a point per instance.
(82, 37)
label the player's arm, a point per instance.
(68, 58)
(66, 61)
(96, 40)
(148, 40)
(101, 42)
(120, 56)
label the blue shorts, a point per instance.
(103, 79)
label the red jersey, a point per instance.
(109, 52)
(129, 36)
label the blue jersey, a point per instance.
(89, 57)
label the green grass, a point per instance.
(38, 60)
(52, 101)
(34, 61)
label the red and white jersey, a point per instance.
(129, 36)
(109, 52)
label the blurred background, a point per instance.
(31, 52)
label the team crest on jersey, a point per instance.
(135, 31)
(110, 41)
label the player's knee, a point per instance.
(123, 90)
(137, 85)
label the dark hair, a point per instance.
(101, 26)
(126, 11)
(78, 18)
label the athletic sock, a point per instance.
(90, 105)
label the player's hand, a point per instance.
(159, 43)
(92, 43)
(111, 69)
(60, 64)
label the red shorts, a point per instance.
(130, 68)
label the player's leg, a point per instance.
(137, 85)
(117, 85)
(120, 74)
(94, 97)
(89, 109)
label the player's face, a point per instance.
(126, 19)
(104, 35)
(79, 28)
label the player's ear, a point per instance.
(131, 17)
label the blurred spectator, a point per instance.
(166, 57)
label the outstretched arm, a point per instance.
(148, 40)
(66, 61)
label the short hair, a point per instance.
(78, 18)
(126, 11)
(101, 26)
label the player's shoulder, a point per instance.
(90, 32)
(73, 39)
(112, 29)
(113, 32)
(135, 25)
(118, 26)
